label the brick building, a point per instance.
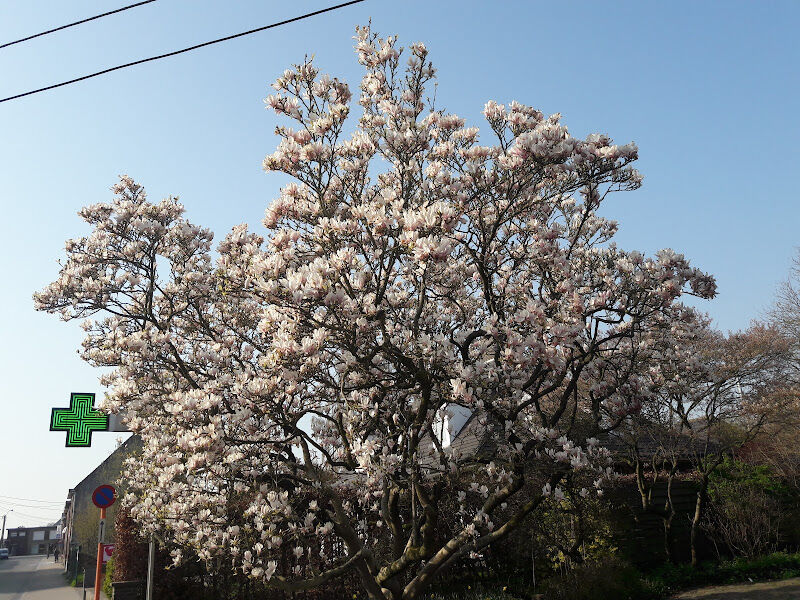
(23, 541)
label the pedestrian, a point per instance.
(49, 549)
(55, 554)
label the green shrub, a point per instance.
(473, 592)
(607, 578)
(108, 578)
(77, 581)
(778, 565)
(760, 477)
(748, 509)
(669, 579)
(613, 578)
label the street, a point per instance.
(787, 589)
(34, 578)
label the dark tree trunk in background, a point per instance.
(699, 510)
(669, 514)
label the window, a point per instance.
(38, 535)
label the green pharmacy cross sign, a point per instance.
(79, 420)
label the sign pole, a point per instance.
(103, 497)
(151, 564)
(98, 574)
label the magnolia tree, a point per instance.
(655, 439)
(291, 391)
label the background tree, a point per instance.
(747, 510)
(779, 446)
(727, 400)
(287, 395)
(786, 311)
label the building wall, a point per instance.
(23, 541)
(83, 515)
(640, 535)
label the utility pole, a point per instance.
(3, 532)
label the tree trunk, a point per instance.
(669, 513)
(668, 538)
(699, 510)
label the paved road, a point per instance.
(34, 578)
(787, 589)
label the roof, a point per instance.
(480, 440)
(51, 526)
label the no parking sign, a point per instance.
(104, 496)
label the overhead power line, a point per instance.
(45, 520)
(30, 500)
(36, 506)
(7, 506)
(37, 517)
(189, 49)
(105, 14)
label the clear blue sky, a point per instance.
(709, 91)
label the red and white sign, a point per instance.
(108, 550)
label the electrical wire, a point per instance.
(37, 506)
(12, 504)
(190, 48)
(2, 499)
(105, 14)
(48, 522)
(48, 518)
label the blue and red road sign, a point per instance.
(104, 496)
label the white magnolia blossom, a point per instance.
(287, 390)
